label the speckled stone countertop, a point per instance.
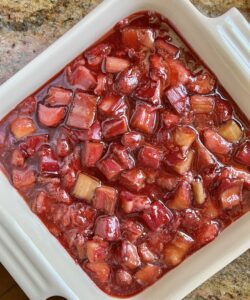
(27, 27)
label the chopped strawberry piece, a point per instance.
(166, 49)
(63, 147)
(191, 220)
(243, 154)
(170, 119)
(23, 178)
(22, 127)
(131, 230)
(157, 215)
(57, 193)
(145, 253)
(128, 80)
(150, 92)
(108, 227)
(17, 158)
(184, 137)
(40, 204)
(158, 68)
(82, 78)
(58, 96)
(202, 104)
(91, 153)
(101, 271)
(166, 180)
(207, 232)
(83, 111)
(215, 143)
(202, 84)
(48, 162)
(51, 116)
(28, 106)
(223, 111)
(148, 274)
(123, 278)
(131, 203)
(116, 64)
(93, 133)
(96, 54)
(69, 179)
(132, 140)
(230, 193)
(109, 168)
(101, 84)
(105, 199)
(137, 37)
(203, 121)
(129, 255)
(182, 197)
(96, 250)
(178, 72)
(150, 156)
(178, 98)
(144, 118)
(133, 179)
(114, 127)
(204, 158)
(112, 105)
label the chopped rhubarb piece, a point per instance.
(198, 191)
(114, 127)
(112, 105)
(144, 118)
(145, 253)
(132, 140)
(157, 215)
(101, 271)
(122, 156)
(133, 179)
(40, 204)
(108, 228)
(137, 37)
(105, 199)
(51, 116)
(32, 144)
(123, 278)
(128, 80)
(96, 251)
(91, 153)
(23, 178)
(178, 98)
(96, 54)
(215, 143)
(48, 162)
(82, 78)
(202, 84)
(131, 230)
(101, 84)
(230, 131)
(58, 96)
(63, 147)
(109, 168)
(243, 154)
(223, 111)
(203, 121)
(150, 156)
(166, 49)
(69, 180)
(85, 187)
(151, 92)
(129, 255)
(182, 198)
(131, 203)
(17, 158)
(167, 181)
(57, 193)
(148, 274)
(180, 165)
(83, 111)
(207, 232)
(178, 72)
(170, 119)
(175, 252)
(202, 104)
(204, 158)
(184, 137)
(116, 64)
(22, 127)
(158, 68)
(230, 193)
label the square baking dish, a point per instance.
(40, 265)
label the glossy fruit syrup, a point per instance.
(133, 156)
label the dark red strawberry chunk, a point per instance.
(58, 96)
(116, 64)
(157, 215)
(133, 203)
(150, 92)
(51, 116)
(105, 199)
(178, 98)
(83, 111)
(150, 156)
(122, 156)
(131, 230)
(243, 154)
(207, 232)
(108, 228)
(112, 105)
(82, 77)
(91, 153)
(128, 80)
(114, 127)
(133, 179)
(128, 255)
(132, 140)
(109, 168)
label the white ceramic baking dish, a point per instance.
(35, 258)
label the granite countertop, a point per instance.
(27, 27)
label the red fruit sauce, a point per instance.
(133, 156)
